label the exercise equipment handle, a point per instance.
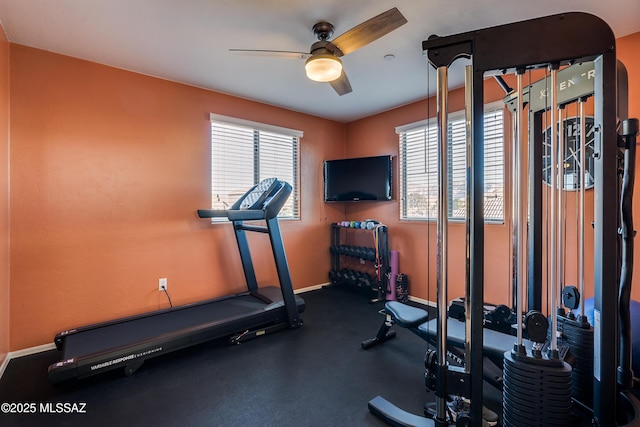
(211, 213)
(629, 133)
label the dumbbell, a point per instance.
(371, 254)
(371, 224)
(366, 280)
(352, 277)
(341, 276)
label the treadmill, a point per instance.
(127, 342)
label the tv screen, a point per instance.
(358, 179)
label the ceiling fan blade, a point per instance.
(370, 30)
(278, 53)
(341, 85)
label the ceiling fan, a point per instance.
(323, 62)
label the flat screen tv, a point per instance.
(358, 179)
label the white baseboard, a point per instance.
(24, 352)
(423, 301)
(5, 363)
(32, 350)
(311, 288)
(320, 286)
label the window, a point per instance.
(418, 161)
(244, 152)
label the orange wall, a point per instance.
(108, 166)
(107, 170)
(628, 54)
(4, 195)
(376, 135)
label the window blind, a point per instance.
(243, 153)
(418, 161)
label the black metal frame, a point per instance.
(382, 262)
(556, 40)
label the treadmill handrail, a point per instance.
(212, 213)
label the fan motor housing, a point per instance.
(325, 47)
(323, 30)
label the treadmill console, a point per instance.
(256, 197)
(263, 201)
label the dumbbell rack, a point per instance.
(360, 261)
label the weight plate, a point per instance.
(537, 326)
(571, 297)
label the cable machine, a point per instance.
(554, 43)
(573, 158)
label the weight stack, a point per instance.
(578, 337)
(537, 391)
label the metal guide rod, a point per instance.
(524, 202)
(583, 170)
(441, 240)
(554, 256)
(518, 200)
(512, 266)
(515, 205)
(468, 100)
(560, 205)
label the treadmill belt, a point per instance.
(154, 325)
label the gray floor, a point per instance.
(314, 376)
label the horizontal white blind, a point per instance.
(278, 156)
(418, 168)
(242, 155)
(457, 179)
(494, 165)
(418, 160)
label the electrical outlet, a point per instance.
(162, 284)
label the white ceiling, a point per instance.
(188, 40)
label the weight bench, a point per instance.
(495, 343)
(403, 315)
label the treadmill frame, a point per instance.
(281, 307)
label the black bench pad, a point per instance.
(495, 343)
(405, 315)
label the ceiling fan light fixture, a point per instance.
(323, 67)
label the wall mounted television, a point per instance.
(358, 179)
